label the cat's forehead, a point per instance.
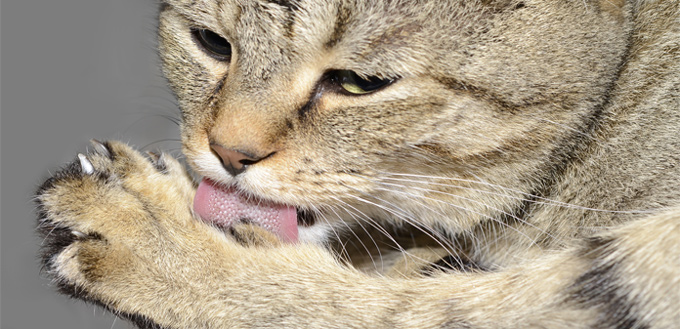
(357, 34)
(302, 17)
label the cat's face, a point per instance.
(351, 107)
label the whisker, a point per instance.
(335, 232)
(368, 252)
(545, 201)
(161, 141)
(381, 230)
(376, 226)
(480, 203)
(464, 209)
(441, 240)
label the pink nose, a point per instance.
(235, 162)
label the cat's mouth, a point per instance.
(224, 206)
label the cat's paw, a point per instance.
(119, 230)
(110, 210)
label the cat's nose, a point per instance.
(235, 162)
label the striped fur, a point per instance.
(521, 170)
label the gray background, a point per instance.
(71, 70)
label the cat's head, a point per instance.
(395, 109)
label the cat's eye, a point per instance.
(353, 84)
(213, 44)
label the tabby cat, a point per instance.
(392, 164)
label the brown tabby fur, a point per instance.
(532, 145)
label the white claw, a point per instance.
(79, 234)
(85, 164)
(100, 147)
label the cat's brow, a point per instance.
(199, 11)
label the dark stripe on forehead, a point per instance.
(502, 104)
(342, 17)
(290, 6)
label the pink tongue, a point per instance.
(224, 207)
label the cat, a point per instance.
(392, 164)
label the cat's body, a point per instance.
(485, 164)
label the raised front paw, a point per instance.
(119, 230)
(110, 210)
